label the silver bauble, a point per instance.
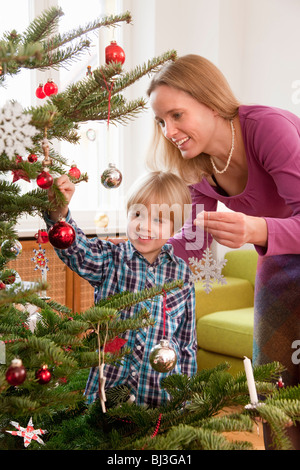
(112, 177)
(163, 357)
(11, 249)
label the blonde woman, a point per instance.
(247, 157)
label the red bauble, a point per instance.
(32, 158)
(39, 92)
(2, 285)
(44, 180)
(74, 172)
(61, 235)
(42, 236)
(114, 53)
(43, 375)
(16, 373)
(50, 88)
(10, 279)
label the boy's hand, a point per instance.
(67, 189)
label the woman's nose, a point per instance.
(169, 131)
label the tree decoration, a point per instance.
(74, 172)
(43, 375)
(28, 433)
(61, 235)
(42, 236)
(111, 177)
(101, 220)
(280, 383)
(15, 131)
(19, 173)
(114, 53)
(16, 373)
(114, 345)
(39, 92)
(44, 180)
(50, 88)
(163, 357)
(41, 262)
(11, 249)
(32, 158)
(207, 270)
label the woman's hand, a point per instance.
(67, 189)
(234, 229)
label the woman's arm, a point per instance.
(192, 241)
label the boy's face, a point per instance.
(148, 229)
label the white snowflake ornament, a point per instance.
(15, 131)
(207, 270)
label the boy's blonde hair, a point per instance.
(201, 79)
(163, 191)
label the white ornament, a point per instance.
(15, 130)
(207, 270)
(28, 433)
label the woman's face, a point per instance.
(185, 122)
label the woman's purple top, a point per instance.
(272, 144)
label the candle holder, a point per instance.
(253, 406)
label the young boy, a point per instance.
(155, 208)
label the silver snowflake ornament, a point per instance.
(15, 131)
(207, 270)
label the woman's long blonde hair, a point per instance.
(201, 79)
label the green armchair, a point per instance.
(225, 316)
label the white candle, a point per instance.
(250, 381)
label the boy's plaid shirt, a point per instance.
(111, 269)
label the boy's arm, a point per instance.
(88, 257)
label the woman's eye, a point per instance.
(177, 115)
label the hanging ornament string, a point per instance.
(165, 310)
(102, 378)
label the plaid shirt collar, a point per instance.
(167, 252)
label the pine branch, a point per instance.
(42, 26)
(14, 295)
(60, 40)
(128, 78)
(28, 51)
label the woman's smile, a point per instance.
(185, 122)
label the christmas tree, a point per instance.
(36, 361)
(44, 364)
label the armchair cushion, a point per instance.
(228, 332)
(236, 293)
